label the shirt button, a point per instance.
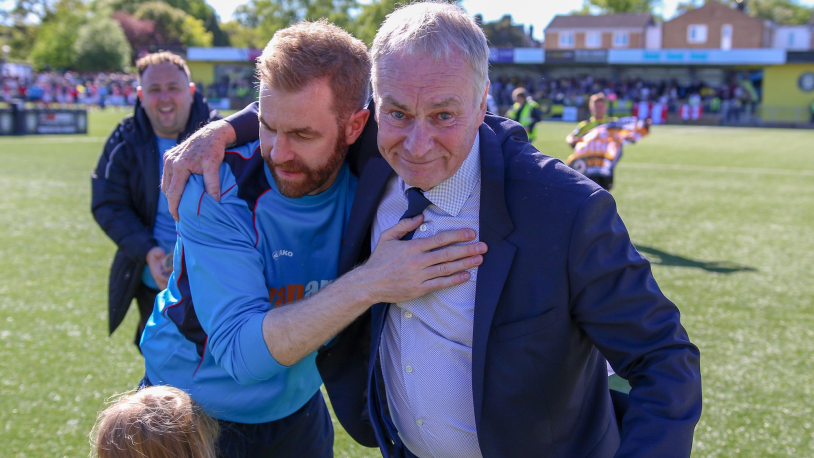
(423, 228)
(408, 369)
(419, 422)
(408, 315)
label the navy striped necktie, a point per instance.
(416, 203)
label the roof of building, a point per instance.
(605, 21)
(711, 10)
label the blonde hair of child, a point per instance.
(155, 422)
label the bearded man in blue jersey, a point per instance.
(227, 329)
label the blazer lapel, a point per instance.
(495, 226)
(372, 182)
(369, 192)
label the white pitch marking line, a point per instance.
(718, 168)
(66, 139)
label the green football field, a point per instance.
(725, 215)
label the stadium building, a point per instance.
(712, 65)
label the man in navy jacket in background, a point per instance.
(126, 199)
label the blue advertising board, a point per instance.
(516, 55)
(698, 56)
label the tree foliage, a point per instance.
(198, 9)
(504, 34)
(241, 36)
(102, 46)
(371, 17)
(194, 32)
(268, 16)
(786, 12)
(26, 9)
(781, 12)
(173, 26)
(53, 46)
(140, 33)
(618, 6)
(688, 5)
(362, 19)
(20, 37)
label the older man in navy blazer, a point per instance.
(511, 363)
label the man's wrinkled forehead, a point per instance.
(391, 66)
(400, 79)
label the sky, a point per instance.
(536, 12)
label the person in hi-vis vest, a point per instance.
(598, 106)
(525, 111)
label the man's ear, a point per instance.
(356, 124)
(482, 106)
(191, 88)
(138, 91)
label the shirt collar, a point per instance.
(451, 194)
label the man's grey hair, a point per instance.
(436, 29)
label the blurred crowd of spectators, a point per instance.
(101, 90)
(731, 99)
(735, 95)
(53, 89)
(225, 87)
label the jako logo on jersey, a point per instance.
(279, 253)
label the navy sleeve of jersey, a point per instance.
(226, 279)
(246, 125)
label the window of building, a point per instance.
(620, 39)
(593, 40)
(726, 37)
(566, 39)
(791, 40)
(697, 33)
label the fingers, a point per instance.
(176, 189)
(454, 253)
(448, 268)
(166, 175)
(211, 177)
(401, 229)
(446, 238)
(445, 282)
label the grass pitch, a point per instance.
(725, 215)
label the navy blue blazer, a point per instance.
(560, 284)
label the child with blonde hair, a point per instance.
(155, 422)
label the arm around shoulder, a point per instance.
(245, 124)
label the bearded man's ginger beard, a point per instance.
(312, 179)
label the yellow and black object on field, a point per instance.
(597, 153)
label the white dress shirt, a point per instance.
(426, 347)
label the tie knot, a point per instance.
(416, 203)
